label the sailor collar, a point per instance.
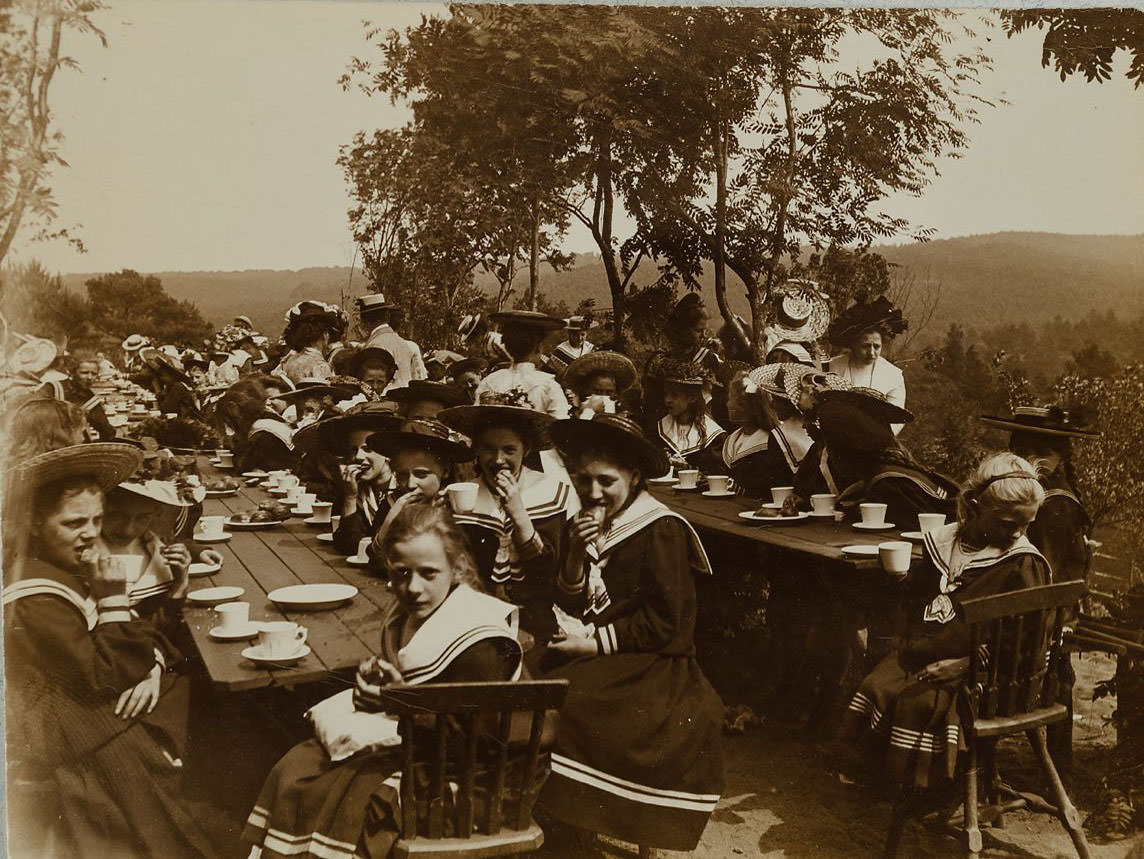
(692, 441)
(542, 494)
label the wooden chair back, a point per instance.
(466, 728)
(1014, 666)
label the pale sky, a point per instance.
(205, 136)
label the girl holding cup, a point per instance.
(440, 629)
(688, 433)
(905, 711)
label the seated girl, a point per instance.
(637, 753)
(440, 629)
(688, 433)
(520, 512)
(253, 430)
(905, 711)
(90, 705)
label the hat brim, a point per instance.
(143, 490)
(390, 442)
(811, 330)
(338, 392)
(1010, 425)
(574, 434)
(465, 365)
(108, 463)
(472, 420)
(332, 432)
(584, 368)
(448, 397)
(354, 364)
(527, 318)
(881, 410)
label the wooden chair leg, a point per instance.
(993, 784)
(1066, 810)
(904, 807)
(972, 832)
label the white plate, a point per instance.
(913, 536)
(279, 492)
(326, 538)
(258, 472)
(249, 631)
(885, 526)
(750, 516)
(663, 481)
(814, 515)
(315, 523)
(355, 561)
(203, 569)
(860, 551)
(223, 467)
(712, 494)
(254, 654)
(221, 539)
(312, 597)
(214, 596)
(253, 526)
(221, 493)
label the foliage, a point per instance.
(1084, 40)
(175, 432)
(31, 32)
(127, 302)
(35, 302)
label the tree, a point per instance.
(127, 302)
(1084, 40)
(36, 302)
(31, 32)
(1093, 362)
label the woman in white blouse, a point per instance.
(862, 331)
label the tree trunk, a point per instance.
(721, 137)
(534, 254)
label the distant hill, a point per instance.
(983, 280)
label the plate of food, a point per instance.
(312, 597)
(221, 487)
(771, 517)
(268, 515)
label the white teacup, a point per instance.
(130, 566)
(362, 553)
(895, 556)
(823, 503)
(718, 483)
(287, 480)
(688, 478)
(212, 526)
(335, 521)
(780, 494)
(281, 638)
(462, 496)
(226, 458)
(928, 521)
(220, 452)
(322, 510)
(233, 616)
(305, 503)
(170, 415)
(293, 495)
(274, 479)
(872, 514)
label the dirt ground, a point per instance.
(783, 799)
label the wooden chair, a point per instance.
(462, 733)
(1013, 686)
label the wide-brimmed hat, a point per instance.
(614, 364)
(373, 301)
(786, 380)
(311, 307)
(159, 491)
(879, 314)
(33, 357)
(847, 426)
(576, 323)
(162, 362)
(618, 432)
(509, 410)
(191, 358)
(679, 372)
(527, 319)
(108, 463)
(245, 320)
(797, 351)
(438, 392)
(134, 343)
(1043, 420)
(375, 417)
(431, 436)
(872, 402)
(469, 326)
(318, 389)
(476, 365)
(353, 365)
(801, 312)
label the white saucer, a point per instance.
(296, 512)
(221, 539)
(814, 515)
(860, 551)
(663, 481)
(247, 632)
(679, 488)
(711, 494)
(203, 569)
(326, 538)
(913, 536)
(355, 561)
(885, 526)
(278, 492)
(221, 493)
(313, 522)
(255, 655)
(214, 596)
(259, 473)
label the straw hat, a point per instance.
(376, 417)
(1043, 420)
(576, 323)
(160, 491)
(802, 313)
(373, 301)
(680, 373)
(577, 374)
(134, 343)
(161, 362)
(878, 314)
(499, 410)
(438, 392)
(870, 402)
(318, 389)
(789, 380)
(245, 320)
(191, 358)
(33, 357)
(527, 319)
(430, 436)
(469, 326)
(614, 432)
(353, 365)
(108, 463)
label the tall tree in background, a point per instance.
(1084, 41)
(127, 302)
(31, 34)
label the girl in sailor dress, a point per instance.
(691, 437)
(905, 712)
(337, 796)
(637, 753)
(770, 443)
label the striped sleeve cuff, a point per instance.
(114, 609)
(532, 547)
(606, 641)
(571, 588)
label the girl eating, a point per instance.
(342, 801)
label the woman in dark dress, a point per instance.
(90, 704)
(638, 739)
(905, 711)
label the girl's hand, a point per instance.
(573, 645)
(374, 673)
(508, 489)
(107, 579)
(944, 670)
(178, 558)
(140, 698)
(585, 529)
(211, 556)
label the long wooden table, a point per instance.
(259, 562)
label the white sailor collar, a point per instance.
(641, 513)
(48, 580)
(692, 441)
(543, 496)
(738, 445)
